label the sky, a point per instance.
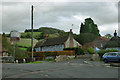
(60, 14)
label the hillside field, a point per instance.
(24, 42)
(34, 34)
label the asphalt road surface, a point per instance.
(68, 69)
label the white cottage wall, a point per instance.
(75, 43)
(67, 43)
(53, 48)
(37, 49)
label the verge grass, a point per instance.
(36, 62)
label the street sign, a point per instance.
(14, 39)
(15, 35)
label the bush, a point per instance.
(78, 51)
(18, 52)
(91, 50)
(102, 52)
(30, 49)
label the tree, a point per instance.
(89, 27)
(3, 34)
(28, 35)
(18, 52)
(40, 36)
(88, 31)
(29, 49)
(84, 38)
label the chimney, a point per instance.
(70, 30)
(115, 33)
(71, 38)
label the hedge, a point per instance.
(51, 53)
(102, 52)
(78, 51)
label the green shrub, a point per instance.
(91, 50)
(18, 52)
(30, 49)
(49, 59)
(78, 51)
(35, 62)
(102, 52)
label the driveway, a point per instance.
(76, 68)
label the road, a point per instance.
(68, 69)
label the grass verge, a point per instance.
(49, 60)
(36, 62)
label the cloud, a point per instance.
(108, 28)
(59, 15)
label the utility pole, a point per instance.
(32, 30)
(14, 50)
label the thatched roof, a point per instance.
(55, 41)
(52, 41)
(39, 43)
(113, 42)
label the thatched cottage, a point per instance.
(113, 43)
(57, 44)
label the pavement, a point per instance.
(77, 68)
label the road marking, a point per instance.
(117, 67)
(45, 75)
(108, 66)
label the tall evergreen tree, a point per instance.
(89, 27)
(88, 31)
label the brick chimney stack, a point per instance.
(71, 38)
(115, 33)
(71, 30)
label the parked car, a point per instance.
(111, 57)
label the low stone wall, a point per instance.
(63, 58)
(95, 57)
(8, 59)
(85, 56)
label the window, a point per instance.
(106, 54)
(112, 54)
(119, 54)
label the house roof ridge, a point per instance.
(55, 41)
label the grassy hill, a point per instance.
(28, 34)
(46, 30)
(24, 35)
(24, 43)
